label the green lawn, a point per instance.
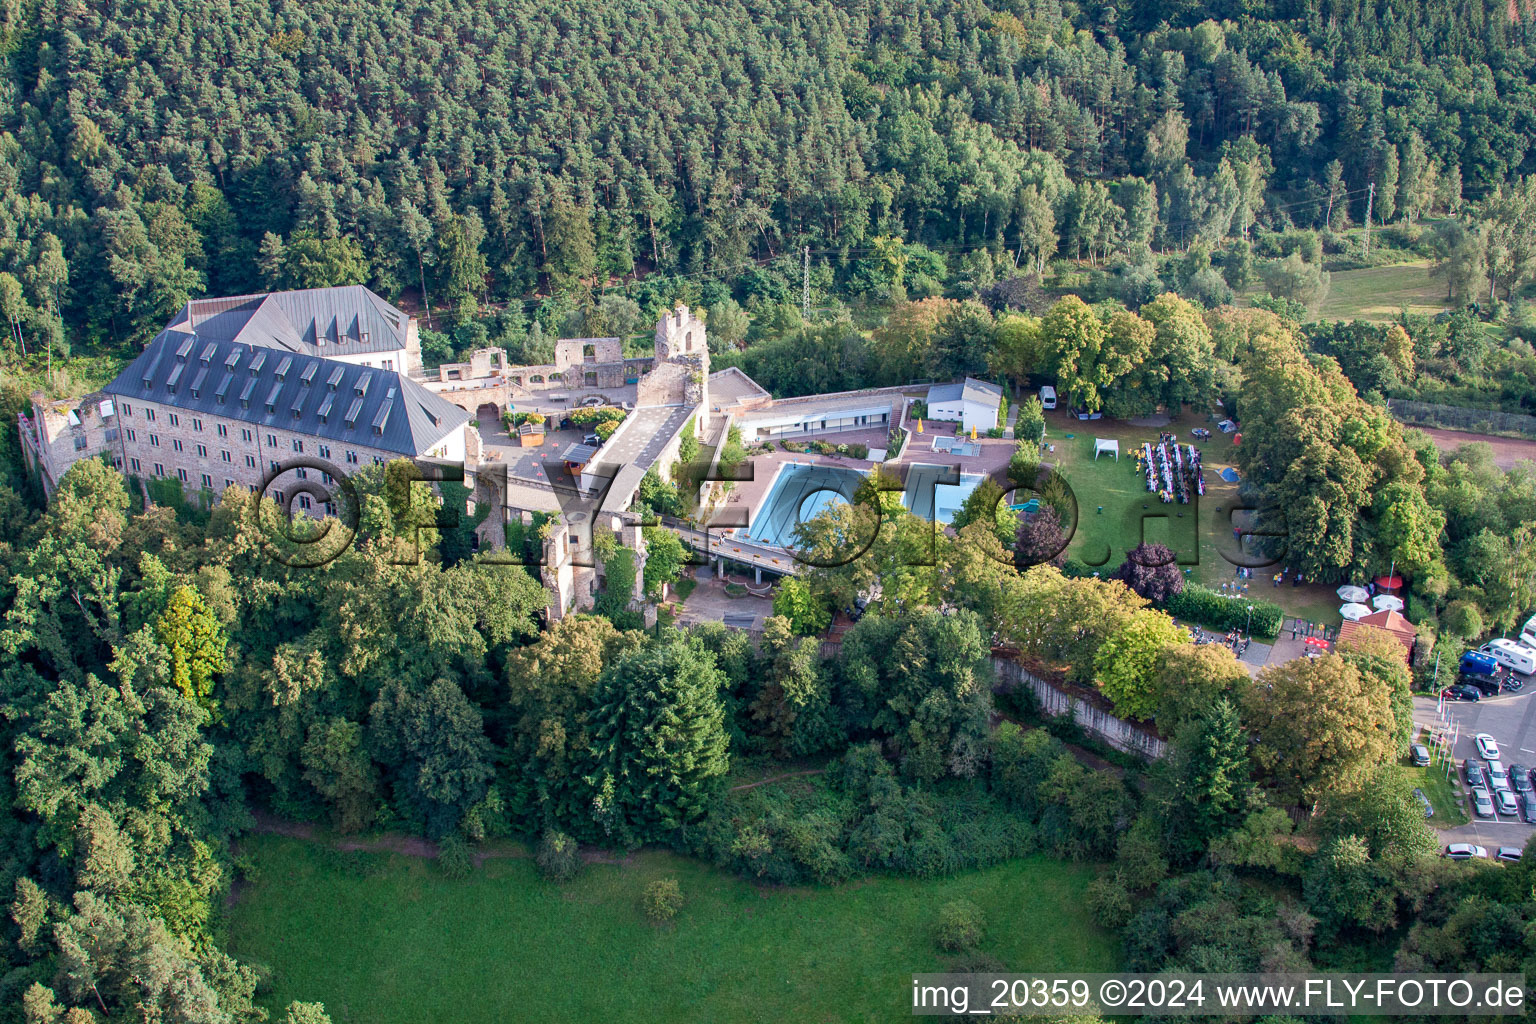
(1444, 795)
(1380, 293)
(385, 938)
(1103, 537)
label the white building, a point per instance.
(971, 403)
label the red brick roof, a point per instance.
(1390, 621)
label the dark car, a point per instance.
(1485, 685)
(1472, 770)
(1460, 692)
(1429, 808)
(1418, 755)
(1520, 778)
(1528, 807)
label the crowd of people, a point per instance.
(1172, 470)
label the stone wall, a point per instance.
(1097, 722)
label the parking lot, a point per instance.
(1511, 720)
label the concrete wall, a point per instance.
(1097, 722)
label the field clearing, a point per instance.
(388, 939)
(1380, 293)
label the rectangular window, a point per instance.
(154, 441)
(207, 481)
(273, 465)
(202, 451)
(378, 461)
(130, 434)
(176, 443)
(352, 458)
(303, 501)
(159, 470)
(303, 474)
(149, 414)
(250, 461)
(134, 463)
(197, 424)
(282, 499)
(228, 482)
(223, 430)
(245, 435)
(224, 455)
(80, 444)
(127, 409)
(271, 440)
(325, 451)
(175, 420)
(298, 445)
(183, 474)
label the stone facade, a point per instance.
(60, 433)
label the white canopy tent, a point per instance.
(1106, 444)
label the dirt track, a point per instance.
(1506, 450)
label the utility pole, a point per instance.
(805, 286)
(1370, 198)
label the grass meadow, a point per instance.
(384, 938)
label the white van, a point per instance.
(1048, 401)
(1528, 632)
(1513, 656)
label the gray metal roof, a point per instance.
(970, 390)
(383, 409)
(348, 320)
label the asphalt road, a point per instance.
(1511, 720)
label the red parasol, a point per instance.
(1316, 641)
(1389, 582)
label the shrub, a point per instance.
(558, 857)
(962, 924)
(454, 858)
(1201, 604)
(601, 414)
(661, 900)
(1108, 901)
(858, 451)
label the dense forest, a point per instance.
(531, 151)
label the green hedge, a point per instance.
(1217, 611)
(602, 414)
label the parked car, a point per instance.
(1528, 808)
(593, 440)
(1474, 773)
(1477, 663)
(1505, 800)
(1465, 851)
(1520, 778)
(1488, 686)
(1462, 692)
(1498, 778)
(1418, 755)
(1429, 808)
(1508, 854)
(1482, 804)
(1047, 397)
(1487, 746)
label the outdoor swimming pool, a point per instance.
(956, 446)
(801, 491)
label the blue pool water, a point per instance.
(801, 491)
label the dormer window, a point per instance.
(282, 368)
(334, 380)
(258, 362)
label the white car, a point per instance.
(1487, 746)
(1465, 851)
(1506, 802)
(1497, 776)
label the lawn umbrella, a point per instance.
(1354, 611)
(1386, 602)
(1349, 592)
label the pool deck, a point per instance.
(747, 496)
